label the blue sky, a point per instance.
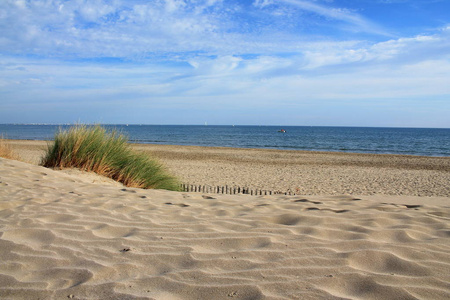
(254, 62)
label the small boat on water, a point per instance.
(282, 130)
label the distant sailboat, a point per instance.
(206, 123)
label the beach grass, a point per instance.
(6, 150)
(94, 149)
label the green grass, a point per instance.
(94, 149)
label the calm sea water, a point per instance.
(412, 141)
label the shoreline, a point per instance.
(246, 148)
(33, 142)
(303, 172)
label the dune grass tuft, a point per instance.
(6, 150)
(106, 153)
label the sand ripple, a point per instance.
(62, 237)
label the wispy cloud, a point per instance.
(164, 56)
(136, 29)
(352, 20)
(226, 74)
(104, 28)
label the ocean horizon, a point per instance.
(377, 140)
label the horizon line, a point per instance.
(210, 125)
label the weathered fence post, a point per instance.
(232, 190)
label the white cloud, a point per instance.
(99, 28)
(348, 71)
(317, 60)
(357, 22)
(135, 28)
(181, 53)
(229, 83)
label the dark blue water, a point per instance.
(411, 141)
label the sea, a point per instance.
(405, 141)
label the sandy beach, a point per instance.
(364, 227)
(303, 172)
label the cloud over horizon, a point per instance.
(280, 59)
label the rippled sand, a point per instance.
(68, 236)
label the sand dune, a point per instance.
(304, 172)
(67, 236)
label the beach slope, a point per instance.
(71, 236)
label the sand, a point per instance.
(68, 235)
(302, 172)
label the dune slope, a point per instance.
(64, 236)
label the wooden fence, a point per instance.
(231, 190)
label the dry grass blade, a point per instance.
(6, 150)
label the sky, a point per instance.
(370, 63)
